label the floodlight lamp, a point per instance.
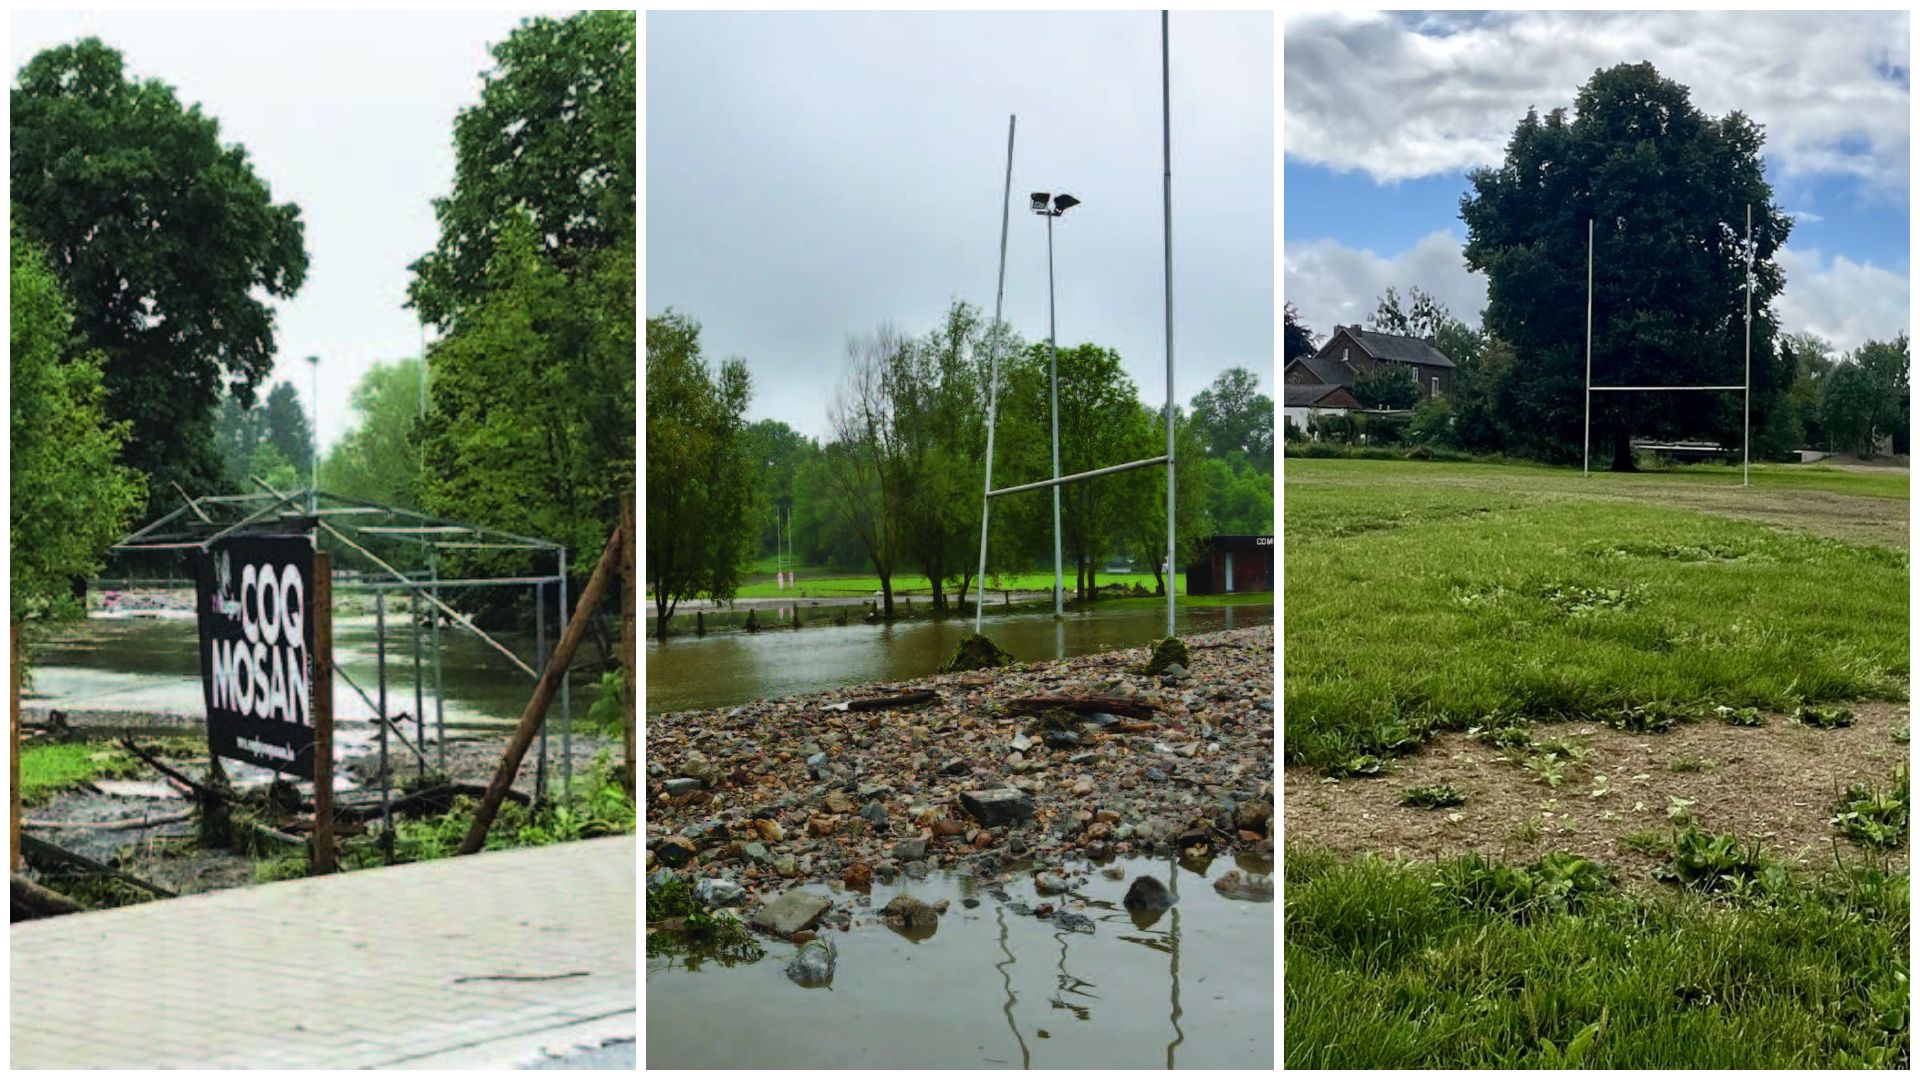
(1040, 201)
(1063, 203)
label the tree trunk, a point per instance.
(886, 596)
(1622, 452)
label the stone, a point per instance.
(1099, 830)
(838, 803)
(948, 827)
(1235, 885)
(911, 850)
(1083, 786)
(815, 761)
(1062, 740)
(682, 785)
(769, 830)
(1046, 884)
(786, 865)
(974, 653)
(1147, 894)
(1156, 775)
(718, 892)
(955, 767)
(997, 806)
(906, 912)
(675, 850)
(791, 912)
(820, 826)
(857, 876)
(1253, 816)
(755, 853)
(1114, 873)
(1174, 671)
(1087, 758)
(876, 813)
(813, 964)
(1022, 742)
(1072, 922)
(1107, 817)
(1168, 652)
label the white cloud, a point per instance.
(1403, 98)
(1844, 301)
(1332, 284)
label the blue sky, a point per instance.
(1385, 115)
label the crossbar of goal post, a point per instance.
(1746, 388)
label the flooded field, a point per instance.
(994, 986)
(688, 672)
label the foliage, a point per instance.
(1826, 717)
(1718, 863)
(1876, 818)
(700, 472)
(608, 713)
(1232, 415)
(1432, 796)
(1665, 185)
(70, 496)
(1432, 423)
(168, 242)
(49, 768)
(378, 459)
(695, 929)
(1385, 386)
(1864, 400)
(1298, 339)
(552, 138)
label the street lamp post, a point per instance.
(313, 443)
(1052, 206)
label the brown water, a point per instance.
(1190, 988)
(688, 672)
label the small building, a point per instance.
(1232, 564)
(1301, 402)
(1352, 350)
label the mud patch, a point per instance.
(1777, 784)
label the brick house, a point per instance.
(1230, 564)
(1352, 350)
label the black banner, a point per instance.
(256, 651)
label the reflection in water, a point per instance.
(1173, 965)
(1006, 976)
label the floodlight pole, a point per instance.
(993, 381)
(1053, 390)
(313, 443)
(1166, 159)
(1746, 422)
(1586, 436)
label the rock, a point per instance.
(911, 850)
(1195, 838)
(682, 785)
(838, 803)
(1147, 894)
(1083, 786)
(1156, 775)
(675, 850)
(876, 813)
(948, 827)
(718, 892)
(791, 912)
(905, 912)
(1087, 758)
(1174, 671)
(769, 830)
(1237, 886)
(820, 826)
(1253, 816)
(974, 653)
(1168, 652)
(997, 806)
(1099, 830)
(955, 767)
(857, 876)
(813, 964)
(1073, 923)
(755, 853)
(1062, 740)
(1114, 873)
(1022, 742)
(814, 761)
(1046, 884)
(786, 865)
(1107, 817)
(970, 902)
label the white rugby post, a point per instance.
(1745, 386)
(993, 383)
(1166, 217)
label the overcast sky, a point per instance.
(811, 176)
(1385, 113)
(349, 115)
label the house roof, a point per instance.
(1406, 350)
(1305, 395)
(1327, 369)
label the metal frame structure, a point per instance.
(378, 537)
(1745, 386)
(993, 361)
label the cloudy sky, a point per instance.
(1386, 113)
(349, 115)
(812, 176)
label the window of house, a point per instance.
(1436, 386)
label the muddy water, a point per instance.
(687, 672)
(1190, 988)
(151, 665)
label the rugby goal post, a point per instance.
(1745, 386)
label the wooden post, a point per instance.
(543, 693)
(629, 612)
(321, 612)
(13, 832)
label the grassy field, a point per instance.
(1427, 597)
(55, 767)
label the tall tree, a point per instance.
(867, 462)
(70, 496)
(1233, 415)
(378, 459)
(1666, 187)
(168, 243)
(1299, 339)
(287, 428)
(553, 137)
(701, 470)
(782, 450)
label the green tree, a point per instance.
(1666, 187)
(1864, 399)
(167, 241)
(783, 451)
(287, 428)
(1385, 387)
(1298, 341)
(701, 472)
(70, 496)
(1482, 387)
(552, 137)
(378, 459)
(868, 466)
(1204, 501)
(1233, 415)
(1432, 423)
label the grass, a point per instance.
(1875, 818)
(1415, 603)
(1468, 964)
(821, 582)
(54, 767)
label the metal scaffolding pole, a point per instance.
(1166, 158)
(566, 698)
(1586, 437)
(386, 773)
(419, 688)
(439, 686)
(540, 658)
(993, 381)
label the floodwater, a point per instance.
(150, 664)
(991, 988)
(688, 672)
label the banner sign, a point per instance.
(256, 651)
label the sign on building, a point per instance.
(256, 651)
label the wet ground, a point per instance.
(688, 672)
(993, 987)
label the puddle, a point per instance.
(991, 988)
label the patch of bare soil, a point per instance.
(1777, 784)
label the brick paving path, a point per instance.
(390, 967)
